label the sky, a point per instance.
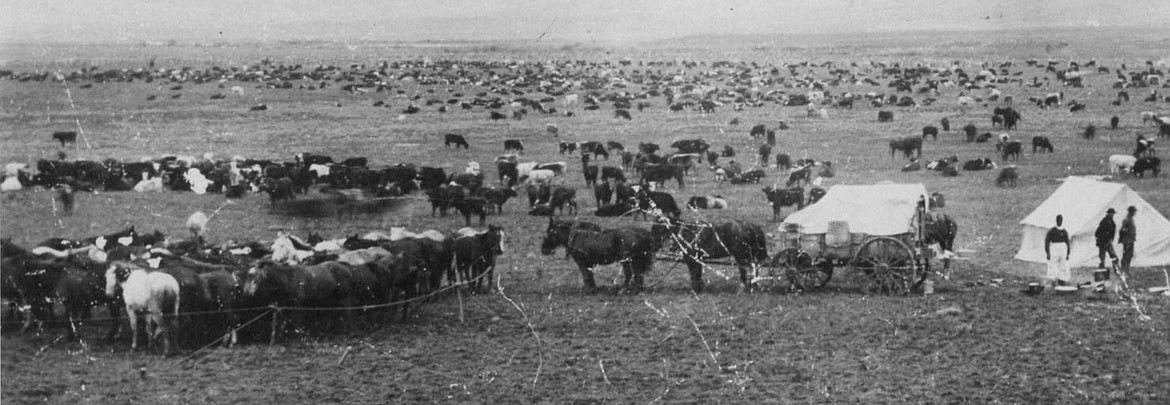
(631, 21)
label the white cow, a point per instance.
(540, 176)
(1119, 162)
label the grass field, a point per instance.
(542, 340)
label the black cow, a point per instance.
(612, 172)
(279, 190)
(513, 145)
(568, 147)
(660, 173)
(798, 176)
(496, 116)
(978, 164)
(496, 197)
(1149, 163)
(1114, 121)
(595, 148)
(946, 125)
(663, 201)
(602, 193)
(612, 146)
(562, 198)
(431, 177)
(691, 145)
(1007, 177)
(970, 131)
(758, 130)
(622, 114)
(260, 107)
(1041, 143)
(455, 139)
(647, 148)
(784, 197)
(885, 116)
(1012, 149)
(472, 205)
(537, 193)
(355, 162)
(751, 176)
(65, 137)
(783, 161)
(443, 198)
(930, 131)
(1144, 147)
(910, 146)
(728, 151)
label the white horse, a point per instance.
(284, 249)
(154, 294)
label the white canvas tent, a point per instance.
(1083, 203)
(879, 209)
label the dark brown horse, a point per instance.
(633, 247)
(475, 256)
(742, 241)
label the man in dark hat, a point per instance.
(1106, 230)
(1126, 236)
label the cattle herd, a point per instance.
(368, 273)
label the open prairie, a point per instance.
(540, 338)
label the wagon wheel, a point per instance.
(885, 264)
(800, 270)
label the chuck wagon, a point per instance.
(877, 231)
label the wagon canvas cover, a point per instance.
(879, 209)
(1083, 202)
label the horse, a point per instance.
(475, 256)
(154, 294)
(289, 249)
(743, 241)
(633, 247)
(321, 285)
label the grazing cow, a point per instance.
(155, 295)
(1007, 177)
(513, 145)
(1121, 163)
(260, 107)
(1053, 99)
(758, 130)
(728, 151)
(455, 139)
(910, 146)
(622, 114)
(784, 197)
(568, 147)
(885, 116)
(1144, 147)
(65, 137)
(930, 131)
(1114, 121)
(1041, 143)
(707, 202)
(1149, 163)
(978, 164)
(1012, 149)
(475, 256)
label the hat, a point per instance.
(1132, 209)
(1111, 211)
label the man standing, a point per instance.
(1126, 237)
(1056, 241)
(1106, 230)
